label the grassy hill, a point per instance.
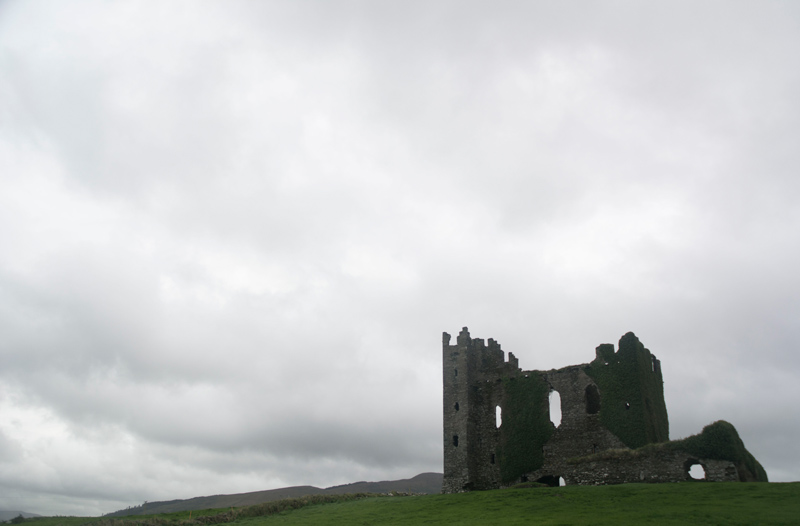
(422, 483)
(8, 515)
(684, 503)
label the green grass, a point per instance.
(687, 503)
(684, 503)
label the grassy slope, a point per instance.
(175, 518)
(422, 483)
(688, 503)
(685, 503)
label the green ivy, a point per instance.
(631, 393)
(721, 441)
(526, 428)
(718, 441)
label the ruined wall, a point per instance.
(581, 431)
(633, 392)
(658, 465)
(614, 403)
(477, 380)
(526, 425)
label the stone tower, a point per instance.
(470, 438)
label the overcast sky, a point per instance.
(232, 233)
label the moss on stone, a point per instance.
(526, 428)
(631, 393)
(721, 441)
(718, 441)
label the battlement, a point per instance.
(481, 360)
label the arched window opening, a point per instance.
(456, 406)
(592, 398)
(492, 459)
(555, 408)
(697, 471)
(456, 371)
(455, 440)
(498, 416)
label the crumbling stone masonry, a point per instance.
(614, 427)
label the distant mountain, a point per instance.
(6, 515)
(427, 483)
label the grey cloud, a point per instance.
(10, 450)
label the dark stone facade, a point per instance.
(659, 465)
(610, 407)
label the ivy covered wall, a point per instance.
(631, 392)
(526, 426)
(721, 441)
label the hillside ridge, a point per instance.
(426, 483)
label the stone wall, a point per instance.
(654, 466)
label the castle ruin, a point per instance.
(614, 427)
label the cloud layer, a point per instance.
(231, 234)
